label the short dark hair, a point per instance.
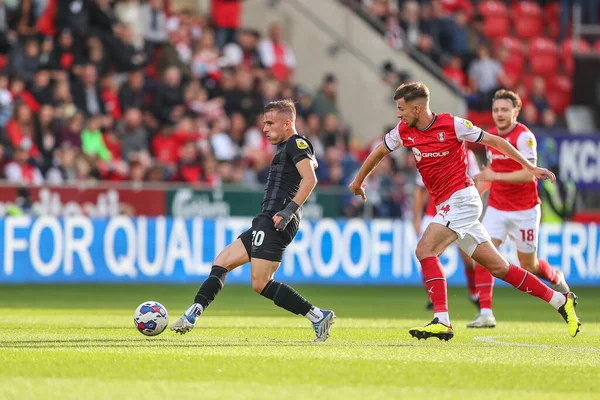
(411, 91)
(514, 98)
(286, 106)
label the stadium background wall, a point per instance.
(177, 250)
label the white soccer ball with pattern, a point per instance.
(151, 318)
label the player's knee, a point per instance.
(498, 269)
(530, 266)
(258, 284)
(422, 251)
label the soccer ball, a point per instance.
(151, 318)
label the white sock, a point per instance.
(195, 309)
(558, 300)
(315, 314)
(443, 317)
(487, 312)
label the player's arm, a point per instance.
(420, 198)
(303, 158)
(508, 150)
(391, 141)
(481, 185)
(358, 184)
(309, 180)
(521, 176)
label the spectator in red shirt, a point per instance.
(64, 52)
(110, 96)
(19, 171)
(454, 73)
(226, 17)
(165, 147)
(189, 169)
(21, 131)
(277, 55)
(20, 94)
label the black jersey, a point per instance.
(284, 179)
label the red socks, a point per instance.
(546, 272)
(470, 274)
(484, 283)
(528, 283)
(435, 283)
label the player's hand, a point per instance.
(277, 219)
(283, 217)
(359, 189)
(544, 174)
(486, 174)
(417, 226)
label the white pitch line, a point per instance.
(494, 340)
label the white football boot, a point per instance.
(483, 321)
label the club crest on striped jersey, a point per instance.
(441, 136)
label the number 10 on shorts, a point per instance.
(257, 238)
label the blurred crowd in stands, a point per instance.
(132, 90)
(482, 45)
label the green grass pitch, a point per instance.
(78, 342)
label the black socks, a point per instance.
(211, 286)
(286, 297)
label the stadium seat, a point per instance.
(482, 119)
(528, 81)
(552, 11)
(496, 26)
(486, 119)
(597, 46)
(473, 116)
(560, 83)
(492, 8)
(552, 19)
(451, 6)
(553, 29)
(559, 99)
(559, 92)
(526, 9)
(528, 28)
(543, 56)
(513, 44)
(568, 48)
(527, 17)
(513, 67)
(3, 61)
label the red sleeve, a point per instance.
(30, 101)
(13, 132)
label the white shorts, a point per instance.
(425, 221)
(461, 213)
(522, 226)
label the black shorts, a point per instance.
(264, 241)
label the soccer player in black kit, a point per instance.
(290, 182)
